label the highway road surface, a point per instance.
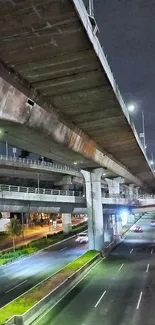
(120, 290)
(18, 277)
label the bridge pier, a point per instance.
(66, 223)
(94, 208)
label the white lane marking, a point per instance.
(48, 310)
(151, 251)
(131, 251)
(120, 268)
(139, 300)
(36, 253)
(62, 249)
(147, 269)
(18, 285)
(103, 294)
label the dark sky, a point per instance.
(127, 35)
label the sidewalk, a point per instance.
(32, 234)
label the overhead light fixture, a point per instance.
(75, 162)
(151, 162)
(104, 174)
(131, 108)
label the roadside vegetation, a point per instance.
(14, 229)
(36, 245)
(29, 299)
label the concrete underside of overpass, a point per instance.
(10, 205)
(13, 172)
(78, 114)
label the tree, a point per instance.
(14, 229)
(24, 153)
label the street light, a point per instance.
(131, 109)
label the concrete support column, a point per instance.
(137, 191)
(66, 223)
(94, 208)
(65, 182)
(131, 190)
(114, 185)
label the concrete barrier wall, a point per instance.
(53, 297)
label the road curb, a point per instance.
(33, 254)
(55, 296)
(36, 285)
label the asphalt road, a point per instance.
(120, 290)
(20, 276)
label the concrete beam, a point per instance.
(16, 111)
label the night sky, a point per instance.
(127, 35)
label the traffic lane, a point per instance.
(36, 258)
(133, 240)
(99, 297)
(82, 296)
(123, 297)
(20, 279)
(20, 268)
(146, 314)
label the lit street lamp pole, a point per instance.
(6, 149)
(143, 128)
(91, 8)
(131, 109)
(38, 182)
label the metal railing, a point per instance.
(39, 163)
(127, 196)
(32, 190)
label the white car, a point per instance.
(82, 238)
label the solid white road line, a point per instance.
(120, 268)
(18, 285)
(62, 249)
(131, 251)
(100, 299)
(147, 269)
(151, 251)
(139, 300)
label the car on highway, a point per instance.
(152, 224)
(138, 229)
(82, 238)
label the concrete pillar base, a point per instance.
(94, 208)
(66, 223)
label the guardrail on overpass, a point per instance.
(33, 190)
(29, 199)
(38, 164)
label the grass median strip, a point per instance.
(36, 245)
(29, 299)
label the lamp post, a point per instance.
(91, 8)
(38, 182)
(131, 109)
(6, 149)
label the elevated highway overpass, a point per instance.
(29, 199)
(28, 172)
(58, 95)
(59, 98)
